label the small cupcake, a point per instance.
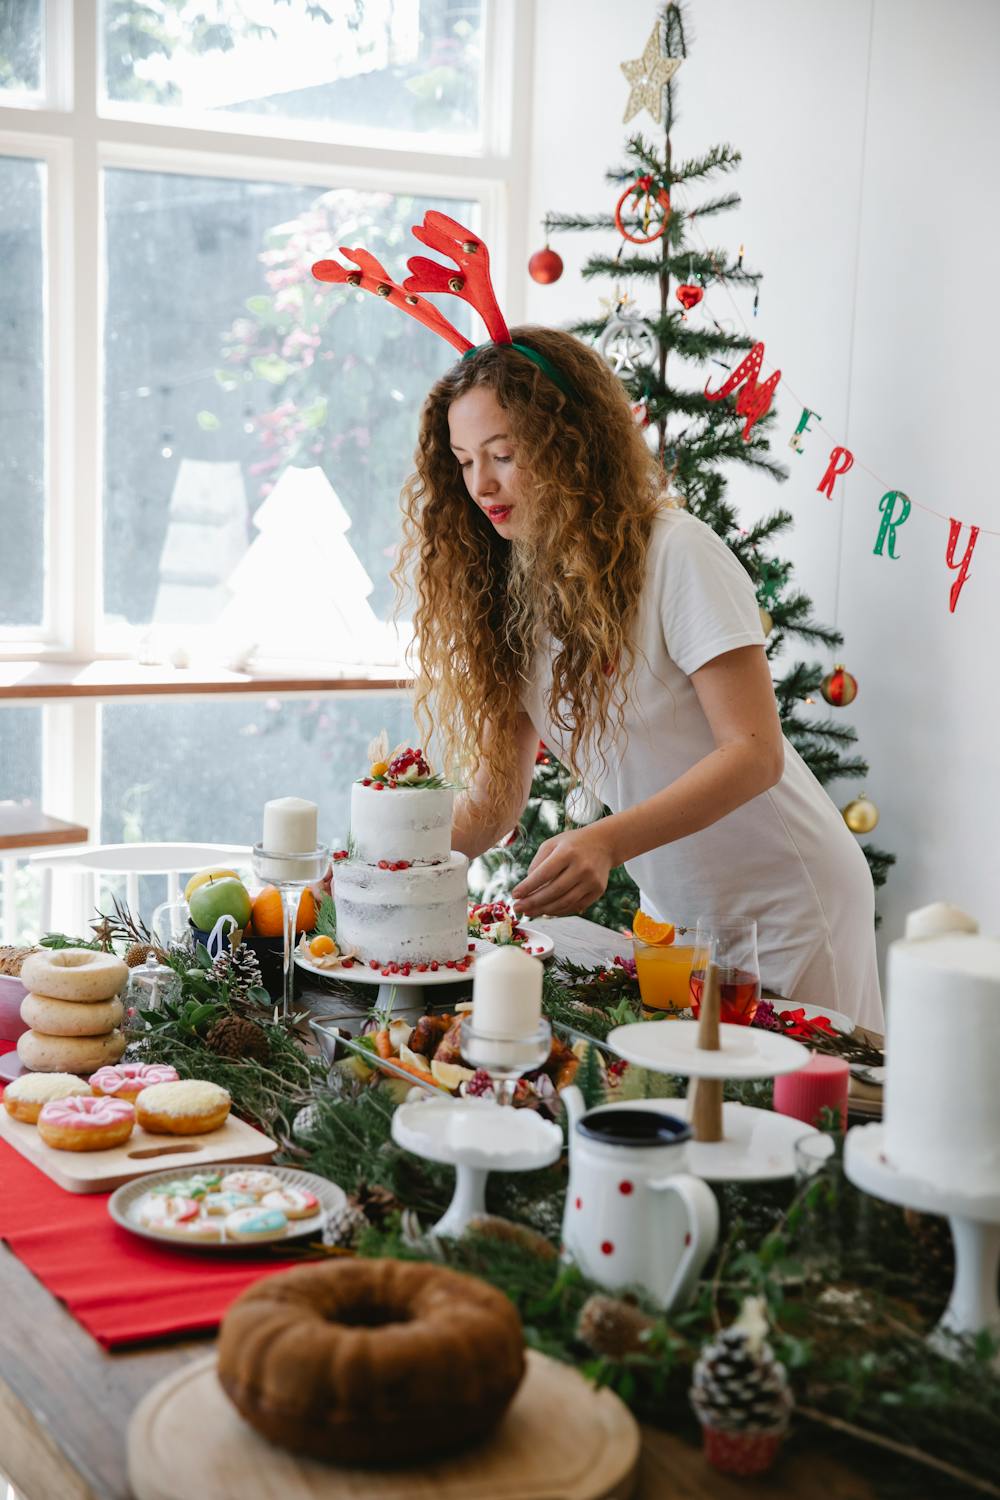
(741, 1395)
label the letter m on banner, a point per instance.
(754, 400)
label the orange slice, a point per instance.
(658, 934)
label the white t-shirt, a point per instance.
(786, 857)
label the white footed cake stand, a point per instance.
(975, 1229)
(409, 998)
(751, 1145)
(476, 1137)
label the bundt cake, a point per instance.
(371, 1361)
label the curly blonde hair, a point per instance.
(483, 605)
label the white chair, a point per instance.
(130, 861)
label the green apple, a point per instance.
(213, 899)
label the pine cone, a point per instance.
(235, 1037)
(239, 970)
(738, 1386)
(493, 1227)
(612, 1327)
(139, 952)
(376, 1203)
(342, 1229)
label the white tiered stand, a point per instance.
(757, 1145)
(975, 1229)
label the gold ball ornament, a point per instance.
(766, 621)
(839, 688)
(861, 815)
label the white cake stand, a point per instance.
(757, 1144)
(476, 1137)
(975, 1229)
(413, 985)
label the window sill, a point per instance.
(122, 679)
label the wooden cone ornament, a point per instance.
(839, 688)
(706, 1109)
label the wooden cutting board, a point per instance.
(99, 1171)
(560, 1440)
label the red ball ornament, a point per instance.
(545, 266)
(839, 688)
(689, 296)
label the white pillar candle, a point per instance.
(289, 826)
(507, 993)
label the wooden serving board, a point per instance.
(99, 1171)
(560, 1440)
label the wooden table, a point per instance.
(65, 1402)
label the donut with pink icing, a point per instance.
(86, 1122)
(127, 1080)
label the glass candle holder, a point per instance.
(291, 873)
(505, 1058)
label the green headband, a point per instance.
(546, 366)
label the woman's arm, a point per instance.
(735, 691)
(477, 823)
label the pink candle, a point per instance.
(821, 1084)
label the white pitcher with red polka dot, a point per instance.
(634, 1217)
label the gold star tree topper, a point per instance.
(648, 76)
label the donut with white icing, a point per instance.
(69, 1017)
(80, 974)
(187, 1107)
(85, 1123)
(127, 1080)
(68, 1054)
(23, 1099)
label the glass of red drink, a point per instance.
(732, 946)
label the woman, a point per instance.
(557, 598)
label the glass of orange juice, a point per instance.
(664, 968)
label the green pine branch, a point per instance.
(828, 728)
(715, 206)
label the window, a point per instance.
(401, 67)
(201, 448)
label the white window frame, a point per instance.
(65, 128)
(77, 139)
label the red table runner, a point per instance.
(124, 1289)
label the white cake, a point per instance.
(416, 912)
(942, 1103)
(400, 823)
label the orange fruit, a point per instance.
(658, 934)
(321, 946)
(267, 917)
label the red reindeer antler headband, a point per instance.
(471, 282)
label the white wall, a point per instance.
(869, 131)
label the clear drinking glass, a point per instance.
(291, 873)
(664, 970)
(732, 946)
(506, 1058)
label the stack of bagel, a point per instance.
(73, 1009)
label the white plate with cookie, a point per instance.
(244, 1205)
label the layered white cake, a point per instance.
(402, 894)
(942, 1104)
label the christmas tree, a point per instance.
(660, 220)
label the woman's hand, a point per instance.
(568, 873)
(324, 887)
